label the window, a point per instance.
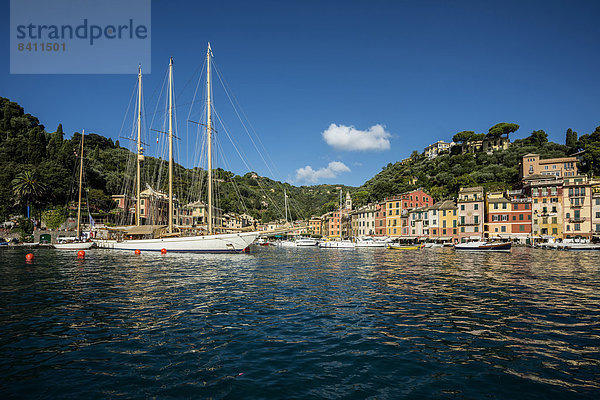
(476, 206)
(521, 217)
(462, 220)
(554, 220)
(504, 206)
(522, 228)
(444, 224)
(476, 229)
(443, 213)
(503, 228)
(516, 207)
(462, 206)
(554, 231)
(495, 206)
(462, 229)
(568, 215)
(476, 219)
(577, 227)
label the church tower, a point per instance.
(348, 201)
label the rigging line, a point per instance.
(225, 87)
(242, 158)
(232, 180)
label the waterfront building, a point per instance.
(397, 208)
(418, 220)
(471, 204)
(232, 222)
(154, 208)
(596, 210)
(363, 221)
(448, 221)
(315, 225)
(577, 207)
(433, 223)
(434, 149)
(380, 219)
(508, 215)
(559, 167)
(546, 192)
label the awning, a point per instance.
(444, 238)
(143, 229)
(474, 237)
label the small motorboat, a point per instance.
(304, 242)
(483, 246)
(341, 244)
(73, 245)
(406, 247)
(370, 242)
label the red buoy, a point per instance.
(137, 252)
(81, 253)
(163, 251)
(29, 257)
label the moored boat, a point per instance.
(406, 247)
(483, 246)
(337, 244)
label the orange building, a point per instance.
(559, 167)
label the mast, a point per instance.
(80, 183)
(285, 208)
(209, 139)
(170, 229)
(139, 147)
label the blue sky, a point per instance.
(404, 73)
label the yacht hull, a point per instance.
(226, 243)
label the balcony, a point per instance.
(576, 220)
(469, 224)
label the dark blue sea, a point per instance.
(300, 324)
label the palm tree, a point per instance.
(27, 189)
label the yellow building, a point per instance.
(448, 220)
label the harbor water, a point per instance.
(300, 323)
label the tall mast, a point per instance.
(285, 203)
(139, 147)
(209, 138)
(170, 230)
(80, 183)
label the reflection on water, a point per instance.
(301, 323)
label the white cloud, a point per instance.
(342, 137)
(309, 175)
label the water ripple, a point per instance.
(301, 323)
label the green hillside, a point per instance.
(38, 168)
(49, 161)
(444, 175)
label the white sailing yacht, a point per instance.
(158, 238)
(76, 243)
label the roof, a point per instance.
(498, 200)
(471, 189)
(446, 205)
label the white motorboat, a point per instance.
(334, 244)
(73, 245)
(370, 242)
(306, 242)
(483, 246)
